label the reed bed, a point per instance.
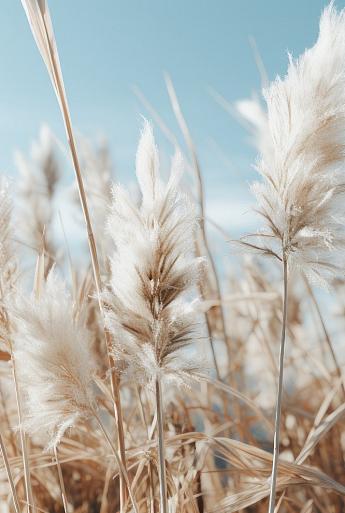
(149, 378)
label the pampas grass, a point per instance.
(301, 146)
(302, 193)
(152, 270)
(105, 404)
(39, 176)
(54, 365)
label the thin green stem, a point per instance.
(276, 444)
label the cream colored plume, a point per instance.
(301, 196)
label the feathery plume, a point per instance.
(39, 176)
(302, 156)
(5, 219)
(8, 275)
(54, 365)
(95, 160)
(152, 269)
(8, 278)
(8, 264)
(301, 142)
(254, 116)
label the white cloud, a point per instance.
(233, 213)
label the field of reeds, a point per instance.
(147, 376)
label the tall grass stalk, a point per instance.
(9, 474)
(201, 201)
(61, 481)
(122, 469)
(23, 443)
(161, 449)
(272, 499)
(41, 19)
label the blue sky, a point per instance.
(107, 47)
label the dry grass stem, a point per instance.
(40, 22)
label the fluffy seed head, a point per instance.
(8, 263)
(302, 156)
(39, 175)
(5, 218)
(153, 268)
(53, 361)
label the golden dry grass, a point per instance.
(218, 433)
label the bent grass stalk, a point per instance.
(201, 200)
(57, 80)
(205, 242)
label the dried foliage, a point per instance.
(206, 446)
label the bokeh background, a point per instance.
(109, 47)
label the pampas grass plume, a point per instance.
(153, 268)
(55, 368)
(302, 154)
